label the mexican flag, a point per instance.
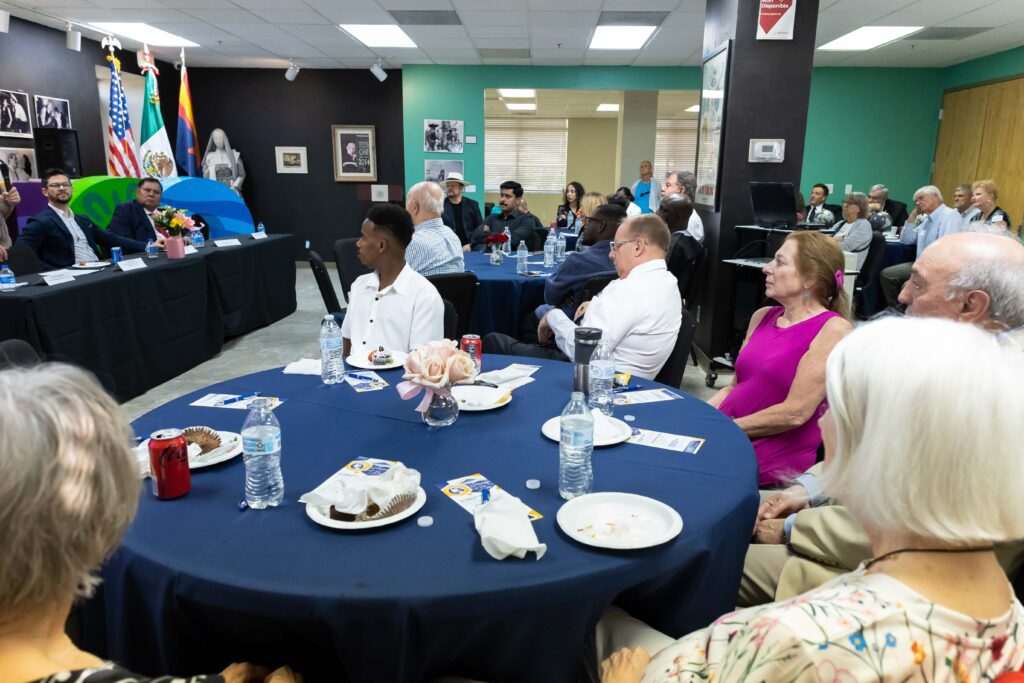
(155, 152)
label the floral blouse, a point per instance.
(858, 627)
(112, 673)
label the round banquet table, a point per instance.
(197, 583)
(503, 297)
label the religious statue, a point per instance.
(223, 164)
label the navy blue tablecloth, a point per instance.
(197, 583)
(502, 296)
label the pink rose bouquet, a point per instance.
(433, 368)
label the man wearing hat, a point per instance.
(461, 214)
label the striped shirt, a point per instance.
(435, 249)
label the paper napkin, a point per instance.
(352, 492)
(504, 526)
(303, 366)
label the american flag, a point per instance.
(124, 158)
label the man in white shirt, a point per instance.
(394, 306)
(435, 248)
(639, 314)
(685, 182)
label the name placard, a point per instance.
(131, 264)
(259, 235)
(189, 249)
(227, 243)
(58, 278)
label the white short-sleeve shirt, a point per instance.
(400, 317)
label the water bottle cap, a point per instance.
(576, 396)
(328, 317)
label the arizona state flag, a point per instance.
(186, 151)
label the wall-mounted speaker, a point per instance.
(58, 148)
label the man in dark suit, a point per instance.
(58, 237)
(132, 222)
(879, 194)
(461, 213)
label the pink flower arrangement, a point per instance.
(174, 221)
(433, 368)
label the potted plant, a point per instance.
(174, 222)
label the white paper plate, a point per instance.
(474, 398)
(91, 265)
(620, 521)
(231, 447)
(553, 430)
(397, 361)
(324, 519)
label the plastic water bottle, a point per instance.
(7, 279)
(522, 253)
(260, 228)
(151, 250)
(560, 248)
(261, 450)
(332, 358)
(575, 474)
(196, 239)
(549, 251)
(602, 377)
(506, 246)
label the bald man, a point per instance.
(800, 542)
(435, 248)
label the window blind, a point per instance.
(530, 151)
(675, 146)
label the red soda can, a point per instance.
(472, 345)
(168, 463)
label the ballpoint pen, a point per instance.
(632, 387)
(236, 399)
(362, 377)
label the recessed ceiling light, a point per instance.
(620, 37)
(514, 92)
(144, 33)
(379, 35)
(521, 106)
(607, 107)
(869, 37)
(694, 109)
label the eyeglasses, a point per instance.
(59, 186)
(587, 220)
(618, 243)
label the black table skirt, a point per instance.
(138, 329)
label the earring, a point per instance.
(807, 295)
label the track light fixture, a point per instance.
(378, 72)
(5, 21)
(73, 38)
(293, 70)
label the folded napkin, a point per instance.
(605, 428)
(304, 366)
(352, 492)
(515, 375)
(505, 528)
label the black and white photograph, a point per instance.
(355, 153)
(291, 159)
(52, 112)
(14, 117)
(437, 170)
(18, 164)
(443, 135)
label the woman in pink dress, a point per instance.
(778, 391)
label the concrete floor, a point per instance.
(290, 339)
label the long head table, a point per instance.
(197, 583)
(140, 328)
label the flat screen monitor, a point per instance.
(774, 205)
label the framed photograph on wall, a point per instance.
(355, 154)
(15, 120)
(443, 135)
(291, 159)
(18, 164)
(52, 112)
(437, 170)
(714, 87)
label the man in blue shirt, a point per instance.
(939, 221)
(434, 248)
(645, 191)
(562, 290)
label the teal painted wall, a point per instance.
(867, 126)
(457, 92)
(1000, 65)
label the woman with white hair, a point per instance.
(69, 487)
(935, 485)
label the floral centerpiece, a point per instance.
(433, 368)
(174, 222)
(496, 240)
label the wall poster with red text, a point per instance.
(775, 20)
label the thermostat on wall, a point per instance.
(767, 151)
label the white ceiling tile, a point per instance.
(508, 43)
(318, 63)
(352, 11)
(133, 4)
(416, 4)
(281, 16)
(563, 53)
(438, 36)
(998, 13)
(492, 31)
(224, 16)
(557, 61)
(257, 33)
(568, 5)
(925, 13)
(869, 10)
(293, 48)
(346, 52)
(502, 19)
(831, 25)
(398, 55)
(314, 34)
(357, 63)
(550, 38)
(42, 4)
(197, 29)
(506, 61)
(648, 5)
(563, 19)
(199, 4)
(268, 4)
(479, 5)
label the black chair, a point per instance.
(323, 281)
(593, 287)
(17, 353)
(684, 256)
(451, 320)
(836, 209)
(22, 260)
(346, 258)
(460, 290)
(868, 272)
(539, 237)
(672, 372)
